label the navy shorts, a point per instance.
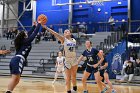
(16, 65)
(91, 69)
(102, 72)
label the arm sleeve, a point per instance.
(31, 30)
(33, 35)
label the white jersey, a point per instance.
(69, 48)
(60, 61)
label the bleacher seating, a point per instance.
(40, 63)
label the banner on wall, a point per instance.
(117, 63)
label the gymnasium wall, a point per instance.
(12, 22)
(1, 11)
(135, 14)
(55, 14)
(87, 13)
(9, 18)
(26, 18)
(135, 4)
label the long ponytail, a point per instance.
(19, 40)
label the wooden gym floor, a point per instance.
(42, 85)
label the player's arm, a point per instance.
(101, 58)
(105, 66)
(100, 61)
(80, 59)
(32, 29)
(5, 51)
(33, 35)
(56, 64)
(58, 36)
(1, 51)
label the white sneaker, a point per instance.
(53, 82)
(73, 91)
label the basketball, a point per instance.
(42, 18)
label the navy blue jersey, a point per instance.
(91, 56)
(26, 46)
(30, 45)
(104, 61)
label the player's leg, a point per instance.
(13, 82)
(84, 79)
(68, 80)
(97, 79)
(104, 87)
(107, 80)
(73, 76)
(16, 68)
(102, 79)
(56, 76)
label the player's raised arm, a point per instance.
(58, 36)
(101, 58)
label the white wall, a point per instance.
(12, 19)
(1, 11)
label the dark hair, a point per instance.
(19, 40)
(59, 52)
(90, 42)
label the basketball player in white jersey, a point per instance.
(70, 63)
(59, 65)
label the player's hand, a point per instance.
(39, 22)
(44, 26)
(80, 66)
(35, 23)
(95, 65)
(102, 67)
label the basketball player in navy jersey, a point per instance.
(104, 74)
(23, 47)
(91, 55)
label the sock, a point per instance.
(85, 91)
(75, 88)
(8, 92)
(69, 91)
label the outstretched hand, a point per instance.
(39, 21)
(44, 26)
(95, 65)
(35, 23)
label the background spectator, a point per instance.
(137, 69)
(124, 66)
(112, 23)
(129, 71)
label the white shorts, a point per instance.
(69, 62)
(60, 69)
